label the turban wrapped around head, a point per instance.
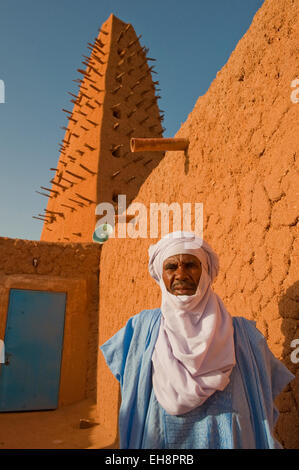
(182, 243)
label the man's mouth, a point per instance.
(183, 289)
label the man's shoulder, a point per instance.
(248, 327)
(148, 315)
(244, 321)
(144, 324)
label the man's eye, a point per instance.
(170, 266)
(190, 265)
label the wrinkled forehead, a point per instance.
(181, 249)
(183, 257)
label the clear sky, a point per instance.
(41, 47)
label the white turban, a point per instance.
(180, 243)
(194, 353)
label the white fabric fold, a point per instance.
(194, 353)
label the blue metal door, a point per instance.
(33, 348)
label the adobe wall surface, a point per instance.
(242, 165)
(72, 268)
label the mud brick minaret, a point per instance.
(116, 101)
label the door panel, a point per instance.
(33, 347)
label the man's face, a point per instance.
(181, 274)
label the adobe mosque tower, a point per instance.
(116, 101)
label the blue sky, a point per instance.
(41, 47)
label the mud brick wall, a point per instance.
(117, 100)
(58, 264)
(242, 165)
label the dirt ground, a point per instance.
(54, 429)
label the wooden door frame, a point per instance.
(73, 373)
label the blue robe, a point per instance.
(242, 416)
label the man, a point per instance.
(191, 376)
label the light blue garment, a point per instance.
(242, 416)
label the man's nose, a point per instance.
(181, 273)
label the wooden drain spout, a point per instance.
(158, 144)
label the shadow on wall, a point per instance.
(115, 444)
(288, 401)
